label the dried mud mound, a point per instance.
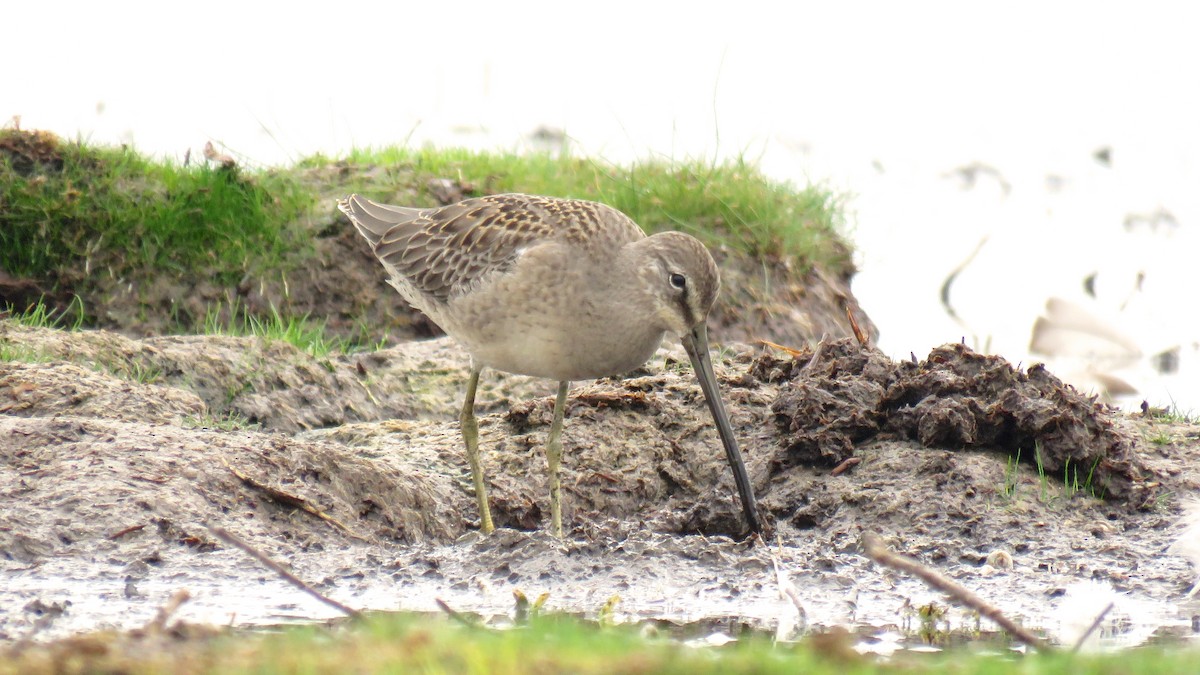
(371, 440)
(839, 394)
(45, 389)
(132, 491)
(258, 382)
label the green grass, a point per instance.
(116, 227)
(1074, 483)
(70, 209)
(224, 422)
(1174, 415)
(133, 370)
(1071, 481)
(1012, 475)
(304, 333)
(38, 315)
(402, 644)
(1074, 480)
(1160, 438)
(731, 204)
(12, 352)
(41, 315)
(1170, 415)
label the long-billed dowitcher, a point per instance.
(556, 288)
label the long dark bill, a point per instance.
(695, 342)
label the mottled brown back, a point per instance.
(445, 252)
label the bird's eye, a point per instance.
(678, 281)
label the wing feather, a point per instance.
(445, 252)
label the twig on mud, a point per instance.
(845, 465)
(863, 339)
(875, 550)
(281, 497)
(786, 350)
(1092, 628)
(275, 567)
(454, 614)
(128, 530)
(159, 622)
(368, 390)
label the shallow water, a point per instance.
(694, 598)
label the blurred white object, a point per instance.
(1188, 543)
(1129, 623)
(1084, 349)
(1087, 348)
(1069, 329)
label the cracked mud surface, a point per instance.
(115, 453)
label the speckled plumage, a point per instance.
(554, 288)
(447, 252)
(557, 288)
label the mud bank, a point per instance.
(116, 453)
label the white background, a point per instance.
(882, 101)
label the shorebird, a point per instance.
(562, 289)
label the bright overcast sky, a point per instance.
(882, 99)
(646, 74)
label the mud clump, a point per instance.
(830, 398)
(839, 394)
(960, 399)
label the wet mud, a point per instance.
(116, 454)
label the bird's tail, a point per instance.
(373, 219)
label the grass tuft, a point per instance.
(41, 315)
(17, 353)
(121, 229)
(226, 422)
(70, 209)
(1173, 414)
(729, 204)
(1012, 475)
(1160, 437)
(304, 333)
(1074, 480)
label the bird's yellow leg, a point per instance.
(554, 458)
(470, 433)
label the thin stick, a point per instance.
(128, 530)
(453, 613)
(787, 350)
(280, 497)
(876, 551)
(863, 340)
(287, 576)
(1092, 628)
(845, 465)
